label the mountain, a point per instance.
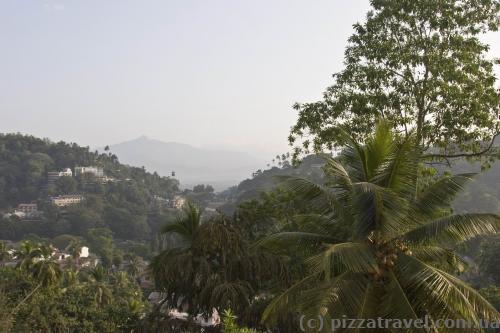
(192, 165)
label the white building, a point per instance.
(93, 170)
(52, 176)
(67, 200)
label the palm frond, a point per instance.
(396, 304)
(439, 256)
(321, 198)
(287, 301)
(398, 171)
(292, 240)
(455, 228)
(439, 294)
(340, 177)
(440, 194)
(378, 148)
(337, 258)
(347, 294)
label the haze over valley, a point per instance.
(192, 165)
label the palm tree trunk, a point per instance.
(25, 299)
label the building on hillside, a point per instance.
(52, 176)
(67, 200)
(25, 211)
(28, 208)
(177, 202)
(93, 170)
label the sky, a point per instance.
(217, 74)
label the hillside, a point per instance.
(482, 194)
(122, 204)
(192, 165)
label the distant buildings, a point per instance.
(25, 211)
(52, 176)
(67, 200)
(93, 170)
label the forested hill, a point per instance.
(122, 204)
(25, 161)
(482, 194)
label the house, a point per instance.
(24, 211)
(67, 200)
(28, 208)
(92, 170)
(52, 176)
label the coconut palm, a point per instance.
(75, 250)
(187, 226)
(98, 278)
(27, 254)
(398, 260)
(47, 272)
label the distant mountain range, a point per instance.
(192, 165)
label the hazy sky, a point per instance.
(208, 73)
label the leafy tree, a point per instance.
(420, 65)
(397, 262)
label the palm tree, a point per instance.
(47, 272)
(187, 226)
(98, 278)
(75, 249)
(398, 260)
(27, 254)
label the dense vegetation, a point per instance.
(39, 295)
(122, 208)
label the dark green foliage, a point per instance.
(69, 309)
(214, 267)
(489, 259)
(123, 205)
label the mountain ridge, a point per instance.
(192, 165)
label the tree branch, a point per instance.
(479, 153)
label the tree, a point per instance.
(65, 185)
(98, 279)
(397, 262)
(4, 253)
(75, 249)
(420, 65)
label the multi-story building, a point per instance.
(52, 176)
(67, 200)
(93, 170)
(28, 208)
